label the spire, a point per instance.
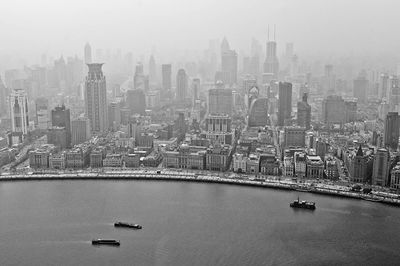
(268, 33)
(360, 151)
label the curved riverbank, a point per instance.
(337, 191)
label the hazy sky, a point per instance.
(315, 26)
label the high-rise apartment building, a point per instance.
(285, 102)
(96, 98)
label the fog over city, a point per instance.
(199, 132)
(323, 28)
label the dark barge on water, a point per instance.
(303, 204)
(127, 225)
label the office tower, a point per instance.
(60, 117)
(96, 98)
(88, 54)
(271, 64)
(166, 77)
(333, 110)
(228, 63)
(383, 86)
(294, 137)
(80, 130)
(152, 70)
(195, 90)
(3, 97)
(258, 114)
(139, 78)
(380, 170)
(181, 85)
(329, 80)
(220, 101)
(114, 115)
(392, 125)
(42, 113)
(285, 102)
(360, 87)
(304, 113)
(136, 101)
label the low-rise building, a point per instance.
(132, 160)
(331, 168)
(253, 164)
(395, 177)
(288, 166)
(112, 160)
(186, 157)
(239, 162)
(315, 167)
(39, 158)
(269, 164)
(58, 160)
(217, 157)
(300, 164)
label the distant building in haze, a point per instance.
(166, 70)
(181, 85)
(360, 87)
(96, 98)
(88, 54)
(220, 100)
(80, 130)
(258, 113)
(228, 63)
(42, 113)
(136, 101)
(271, 64)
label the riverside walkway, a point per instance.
(171, 175)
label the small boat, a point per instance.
(302, 188)
(110, 242)
(303, 204)
(127, 225)
(372, 198)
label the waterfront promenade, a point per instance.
(187, 176)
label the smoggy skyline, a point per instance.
(316, 27)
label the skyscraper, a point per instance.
(228, 63)
(166, 77)
(42, 112)
(18, 104)
(258, 114)
(181, 85)
(333, 110)
(96, 98)
(60, 117)
(271, 64)
(88, 54)
(304, 113)
(285, 102)
(392, 125)
(220, 101)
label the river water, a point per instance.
(53, 222)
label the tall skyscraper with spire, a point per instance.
(96, 98)
(271, 64)
(228, 63)
(88, 54)
(18, 101)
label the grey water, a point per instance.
(53, 222)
